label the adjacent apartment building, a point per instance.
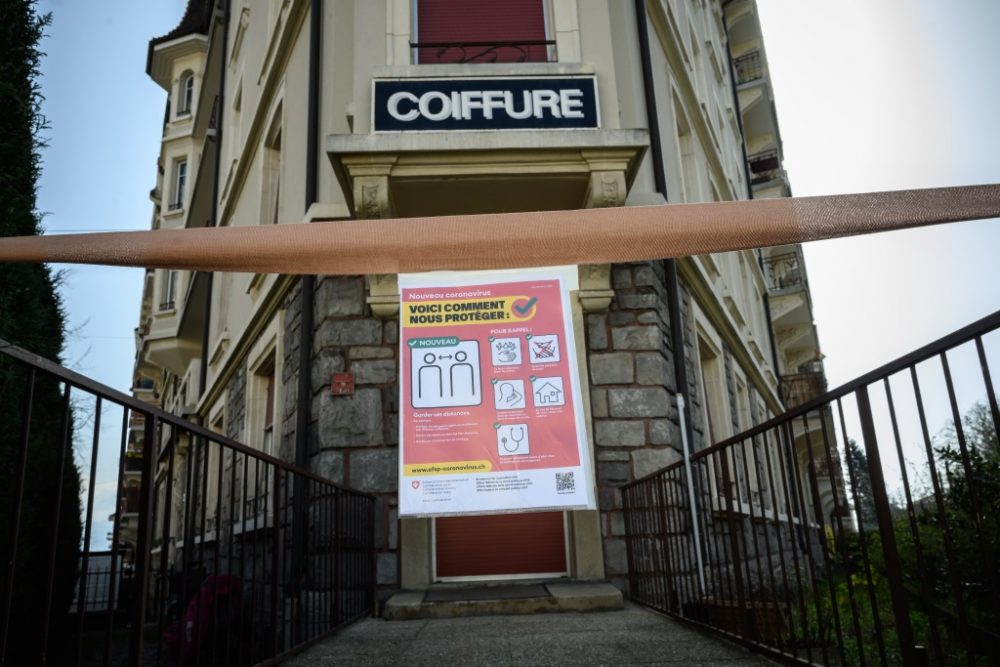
(269, 120)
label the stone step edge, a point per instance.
(562, 598)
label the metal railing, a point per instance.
(538, 50)
(748, 67)
(764, 166)
(860, 528)
(192, 576)
(784, 271)
(800, 388)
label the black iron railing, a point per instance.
(748, 67)
(860, 528)
(221, 556)
(800, 388)
(538, 50)
(784, 271)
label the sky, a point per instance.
(870, 95)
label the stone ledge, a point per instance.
(563, 597)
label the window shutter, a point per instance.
(458, 22)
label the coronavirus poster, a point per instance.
(490, 408)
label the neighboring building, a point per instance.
(241, 147)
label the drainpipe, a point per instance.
(214, 219)
(303, 413)
(746, 178)
(673, 284)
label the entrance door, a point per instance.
(500, 545)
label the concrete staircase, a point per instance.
(448, 601)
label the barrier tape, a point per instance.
(512, 240)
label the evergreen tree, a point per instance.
(863, 498)
(31, 317)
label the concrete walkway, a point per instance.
(633, 636)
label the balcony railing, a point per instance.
(748, 67)
(801, 388)
(784, 271)
(485, 52)
(764, 166)
(208, 583)
(762, 538)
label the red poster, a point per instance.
(490, 416)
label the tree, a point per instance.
(31, 316)
(861, 486)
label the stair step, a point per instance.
(451, 601)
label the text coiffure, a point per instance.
(471, 104)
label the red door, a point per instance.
(500, 544)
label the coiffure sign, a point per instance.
(528, 103)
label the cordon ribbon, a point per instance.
(512, 240)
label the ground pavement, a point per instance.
(633, 636)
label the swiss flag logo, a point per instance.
(415, 484)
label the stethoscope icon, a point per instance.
(516, 440)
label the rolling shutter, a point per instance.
(500, 544)
(459, 22)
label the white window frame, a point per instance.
(185, 95)
(179, 193)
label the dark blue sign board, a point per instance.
(527, 103)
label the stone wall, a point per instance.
(630, 354)
(354, 438)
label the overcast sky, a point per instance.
(870, 95)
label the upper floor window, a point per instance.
(481, 31)
(180, 185)
(185, 94)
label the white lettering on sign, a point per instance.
(437, 106)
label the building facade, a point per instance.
(269, 120)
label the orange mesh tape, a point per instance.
(512, 240)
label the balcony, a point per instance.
(801, 388)
(764, 167)
(748, 68)
(784, 271)
(531, 51)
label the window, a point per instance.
(185, 92)
(261, 435)
(168, 290)
(481, 31)
(271, 174)
(180, 185)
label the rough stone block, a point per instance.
(374, 371)
(612, 473)
(393, 528)
(615, 556)
(340, 333)
(608, 498)
(371, 352)
(598, 403)
(611, 368)
(374, 470)
(612, 455)
(633, 403)
(619, 318)
(392, 332)
(597, 331)
(621, 277)
(325, 364)
(617, 523)
(386, 569)
(328, 464)
(637, 338)
(646, 461)
(613, 433)
(645, 276)
(339, 295)
(650, 317)
(351, 421)
(664, 432)
(637, 301)
(652, 368)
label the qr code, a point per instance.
(565, 481)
